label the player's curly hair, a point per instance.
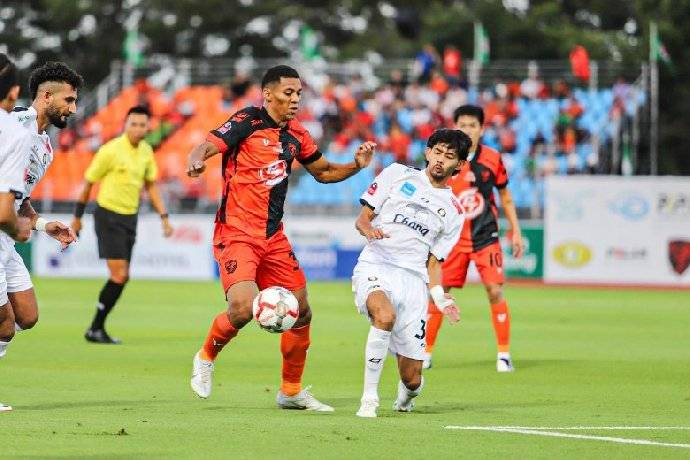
(54, 71)
(8, 75)
(454, 138)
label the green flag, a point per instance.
(308, 43)
(657, 50)
(131, 48)
(481, 44)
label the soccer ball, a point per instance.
(275, 309)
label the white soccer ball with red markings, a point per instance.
(275, 309)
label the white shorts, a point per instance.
(14, 277)
(409, 295)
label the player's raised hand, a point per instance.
(452, 313)
(518, 244)
(364, 154)
(61, 232)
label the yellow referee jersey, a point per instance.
(121, 169)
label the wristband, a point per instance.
(439, 297)
(79, 210)
(164, 215)
(40, 224)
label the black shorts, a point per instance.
(116, 234)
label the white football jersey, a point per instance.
(40, 154)
(15, 142)
(419, 218)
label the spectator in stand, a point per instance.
(452, 65)
(425, 62)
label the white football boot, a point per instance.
(405, 400)
(303, 400)
(5, 408)
(368, 408)
(202, 376)
(426, 364)
(504, 364)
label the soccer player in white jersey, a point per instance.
(53, 88)
(411, 220)
(14, 143)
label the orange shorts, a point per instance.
(268, 262)
(488, 260)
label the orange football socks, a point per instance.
(500, 316)
(293, 345)
(222, 331)
(434, 320)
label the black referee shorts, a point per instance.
(116, 234)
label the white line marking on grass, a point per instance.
(568, 428)
(537, 431)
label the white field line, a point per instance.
(556, 434)
(569, 428)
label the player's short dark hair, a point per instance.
(54, 71)
(454, 139)
(470, 111)
(139, 110)
(8, 75)
(274, 74)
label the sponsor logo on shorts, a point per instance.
(230, 266)
(372, 278)
(408, 189)
(679, 255)
(572, 254)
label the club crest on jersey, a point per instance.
(441, 212)
(274, 173)
(372, 188)
(408, 189)
(472, 202)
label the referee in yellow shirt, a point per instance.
(123, 167)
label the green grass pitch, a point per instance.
(584, 357)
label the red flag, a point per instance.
(579, 62)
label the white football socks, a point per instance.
(375, 355)
(3, 348)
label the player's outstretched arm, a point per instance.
(364, 227)
(443, 300)
(518, 245)
(196, 160)
(326, 172)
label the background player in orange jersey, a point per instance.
(478, 242)
(258, 145)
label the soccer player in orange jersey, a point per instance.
(258, 145)
(478, 242)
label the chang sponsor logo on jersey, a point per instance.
(572, 254)
(630, 206)
(402, 219)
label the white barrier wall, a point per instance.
(622, 230)
(187, 255)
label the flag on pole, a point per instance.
(131, 48)
(657, 50)
(308, 43)
(482, 46)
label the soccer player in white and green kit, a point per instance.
(411, 220)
